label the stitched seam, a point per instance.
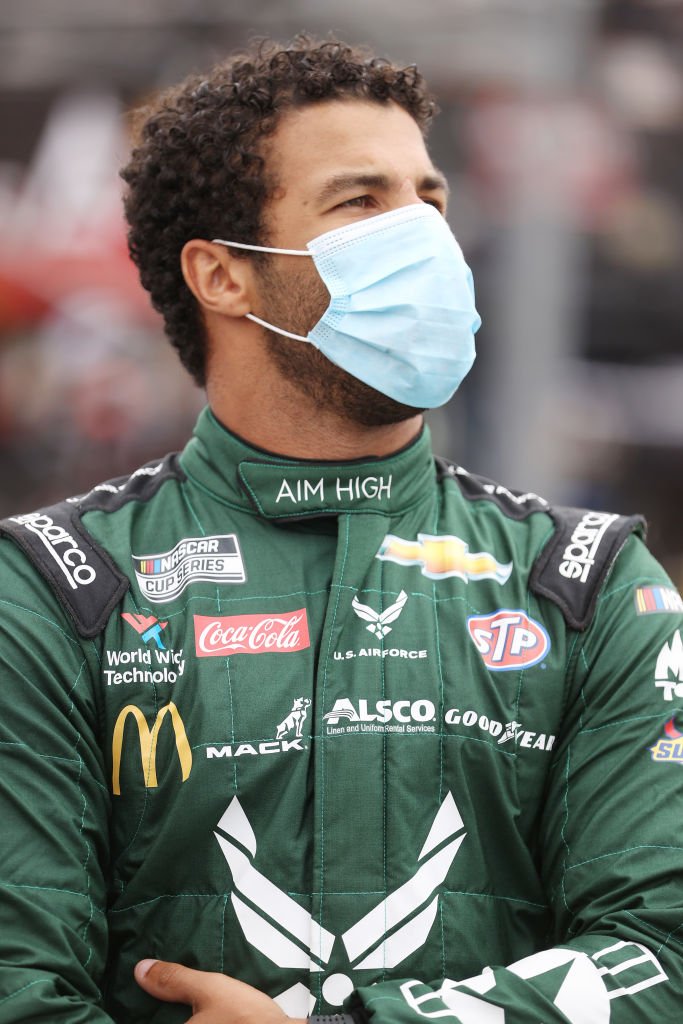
(347, 527)
(442, 745)
(51, 888)
(618, 722)
(38, 981)
(562, 830)
(385, 801)
(618, 853)
(43, 618)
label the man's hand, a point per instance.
(214, 998)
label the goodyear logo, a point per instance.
(440, 557)
(148, 744)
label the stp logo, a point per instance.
(508, 639)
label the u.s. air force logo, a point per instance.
(163, 576)
(285, 932)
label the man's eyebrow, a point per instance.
(345, 182)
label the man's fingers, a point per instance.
(172, 983)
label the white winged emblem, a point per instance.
(379, 621)
(286, 933)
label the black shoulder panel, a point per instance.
(514, 504)
(578, 558)
(83, 576)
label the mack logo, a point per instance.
(440, 557)
(251, 634)
(285, 932)
(164, 576)
(148, 744)
(579, 555)
(671, 748)
(379, 621)
(508, 639)
(62, 547)
(361, 719)
(669, 668)
(147, 626)
(293, 722)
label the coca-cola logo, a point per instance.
(270, 633)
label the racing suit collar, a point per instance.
(280, 488)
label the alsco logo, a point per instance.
(148, 744)
(440, 557)
(508, 639)
(251, 634)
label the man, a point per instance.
(311, 718)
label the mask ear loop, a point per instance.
(267, 248)
(262, 248)
(278, 330)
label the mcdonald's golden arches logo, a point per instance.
(148, 744)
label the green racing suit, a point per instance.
(379, 734)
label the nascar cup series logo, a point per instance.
(163, 577)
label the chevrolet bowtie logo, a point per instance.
(440, 557)
(285, 932)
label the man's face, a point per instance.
(336, 163)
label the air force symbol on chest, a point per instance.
(285, 932)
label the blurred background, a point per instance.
(561, 132)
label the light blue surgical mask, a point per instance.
(401, 316)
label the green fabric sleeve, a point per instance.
(612, 852)
(53, 811)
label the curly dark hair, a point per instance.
(199, 166)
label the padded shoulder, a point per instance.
(515, 504)
(579, 556)
(80, 571)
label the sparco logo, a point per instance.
(164, 576)
(62, 547)
(251, 634)
(508, 639)
(669, 669)
(579, 555)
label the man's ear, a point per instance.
(220, 282)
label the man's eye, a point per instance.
(361, 201)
